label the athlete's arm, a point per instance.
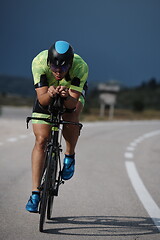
(72, 99)
(45, 94)
(71, 96)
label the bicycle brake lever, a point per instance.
(27, 121)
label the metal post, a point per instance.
(102, 109)
(111, 111)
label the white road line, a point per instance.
(138, 140)
(128, 155)
(130, 148)
(23, 136)
(133, 144)
(13, 139)
(143, 194)
(151, 134)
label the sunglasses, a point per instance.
(55, 68)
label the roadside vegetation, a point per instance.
(133, 103)
(141, 102)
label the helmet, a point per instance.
(60, 54)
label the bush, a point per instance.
(138, 106)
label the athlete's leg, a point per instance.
(71, 132)
(42, 133)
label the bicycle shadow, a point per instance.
(102, 226)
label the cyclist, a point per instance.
(56, 71)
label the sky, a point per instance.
(119, 39)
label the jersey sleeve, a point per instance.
(38, 70)
(80, 78)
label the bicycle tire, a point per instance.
(54, 164)
(53, 183)
(45, 191)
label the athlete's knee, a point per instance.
(40, 142)
(73, 117)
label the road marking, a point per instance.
(138, 140)
(13, 139)
(130, 148)
(128, 155)
(143, 194)
(133, 144)
(23, 136)
(151, 134)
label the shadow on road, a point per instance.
(101, 226)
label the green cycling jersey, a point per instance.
(75, 78)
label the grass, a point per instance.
(121, 114)
(91, 114)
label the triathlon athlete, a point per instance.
(56, 71)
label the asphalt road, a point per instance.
(114, 193)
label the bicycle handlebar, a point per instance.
(55, 108)
(54, 122)
(57, 105)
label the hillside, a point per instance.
(139, 98)
(20, 91)
(16, 86)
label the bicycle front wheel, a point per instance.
(54, 185)
(45, 191)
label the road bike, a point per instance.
(51, 177)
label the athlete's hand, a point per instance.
(52, 91)
(62, 91)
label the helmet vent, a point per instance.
(61, 47)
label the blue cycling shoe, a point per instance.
(68, 168)
(32, 205)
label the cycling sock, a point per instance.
(36, 192)
(70, 156)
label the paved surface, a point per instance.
(116, 162)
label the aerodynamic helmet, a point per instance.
(60, 55)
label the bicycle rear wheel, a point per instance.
(45, 191)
